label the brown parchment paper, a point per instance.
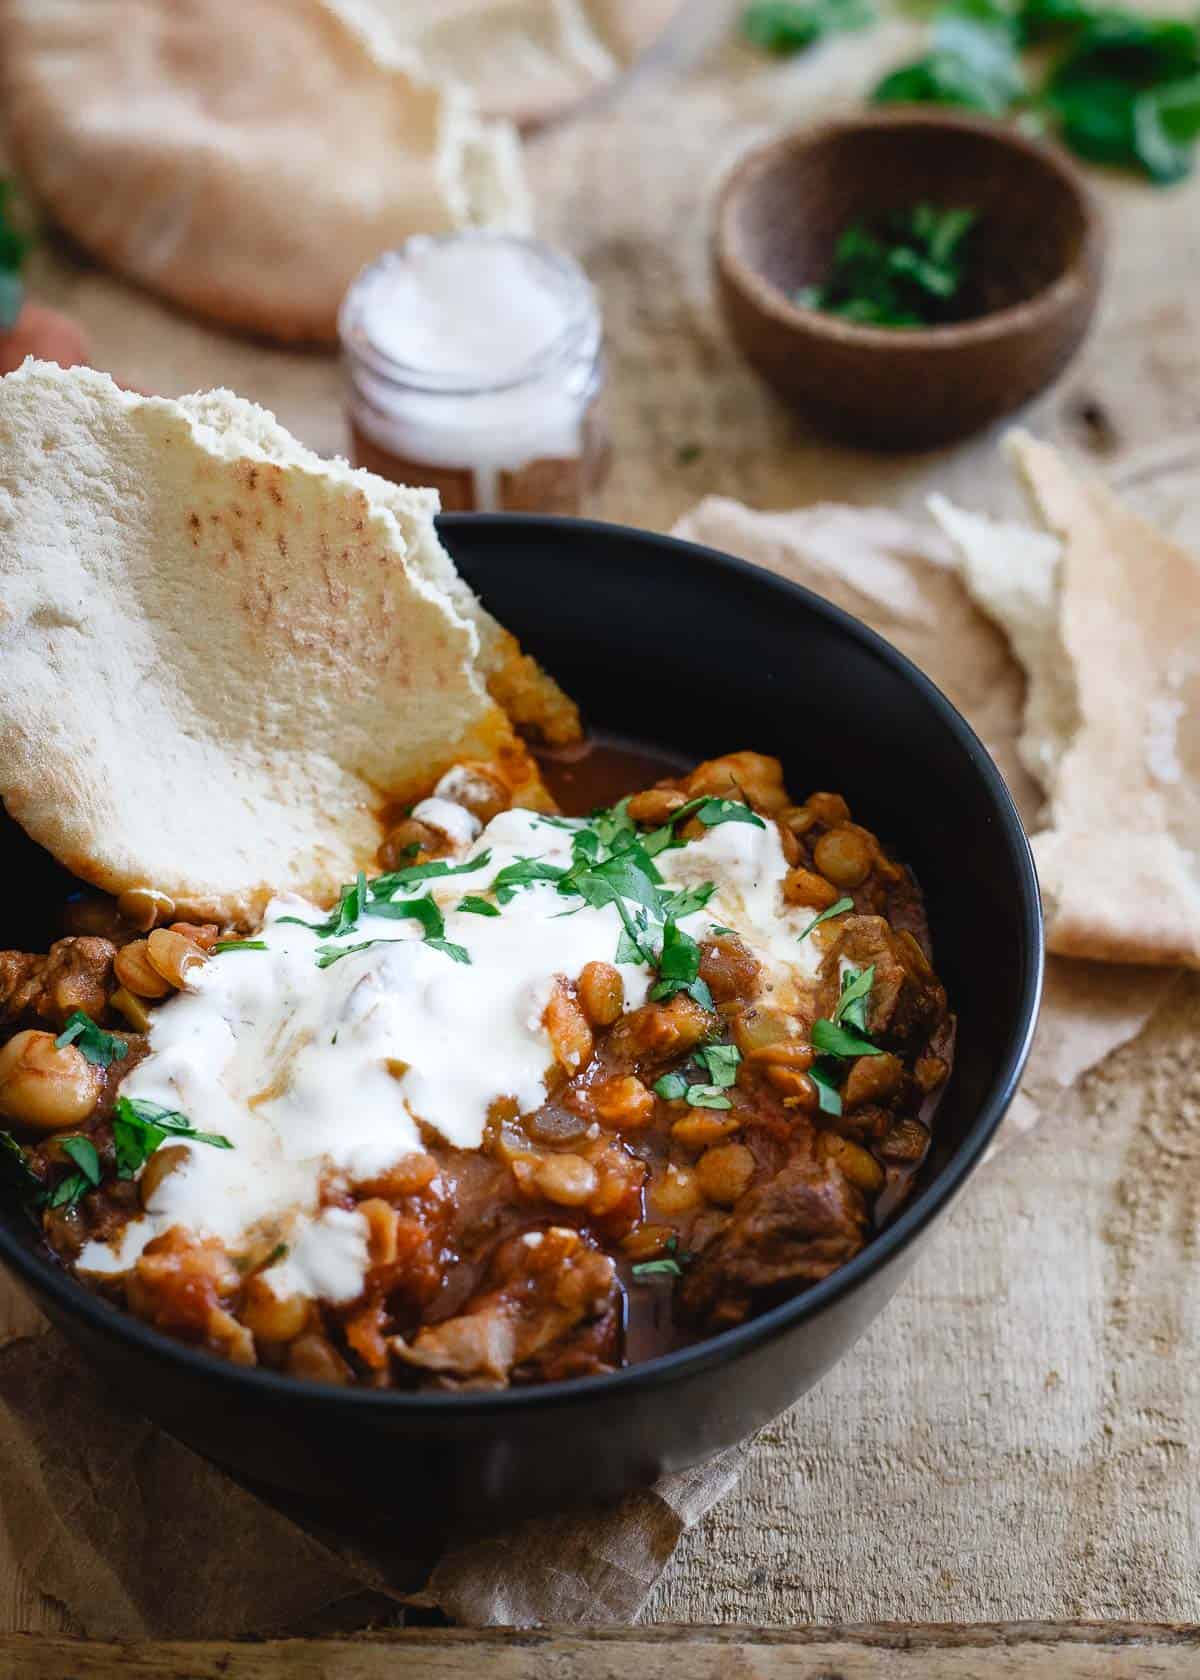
(138, 1537)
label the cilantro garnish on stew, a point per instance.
(720, 1062)
(139, 1127)
(838, 909)
(100, 1048)
(240, 945)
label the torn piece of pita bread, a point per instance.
(1107, 621)
(244, 161)
(218, 666)
(527, 60)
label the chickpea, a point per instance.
(161, 1165)
(624, 1104)
(749, 776)
(567, 1025)
(620, 1177)
(397, 851)
(313, 1357)
(271, 1317)
(725, 1173)
(872, 1079)
(145, 907)
(382, 1230)
(644, 1242)
(860, 1167)
(677, 1191)
(46, 1088)
(798, 819)
(770, 1036)
(602, 993)
(844, 856)
(137, 973)
(173, 955)
(701, 1129)
(477, 789)
(568, 1180)
(813, 892)
(794, 1086)
(656, 805)
(828, 808)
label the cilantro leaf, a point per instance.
(351, 907)
(523, 873)
(856, 993)
(457, 953)
(100, 1048)
(240, 945)
(720, 1062)
(82, 1151)
(679, 968)
(838, 909)
(139, 1127)
(905, 270)
(832, 1040)
(685, 901)
(828, 1095)
(671, 1086)
(478, 906)
(383, 886)
(68, 1191)
(707, 1096)
(668, 1267)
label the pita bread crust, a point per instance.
(244, 161)
(1104, 613)
(526, 60)
(1119, 864)
(218, 667)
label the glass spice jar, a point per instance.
(474, 364)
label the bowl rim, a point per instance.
(74, 1299)
(1058, 295)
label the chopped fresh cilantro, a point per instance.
(82, 1151)
(139, 1127)
(679, 968)
(240, 945)
(668, 1267)
(785, 27)
(687, 900)
(857, 985)
(384, 886)
(828, 1095)
(351, 907)
(671, 1086)
(721, 1063)
(100, 1048)
(723, 932)
(905, 271)
(523, 873)
(279, 1252)
(478, 906)
(68, 1191)
(424, 910)
(707, 1096)
(711, 812)
(832, 1040)
(838, 909)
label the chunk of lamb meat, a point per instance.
(75, 973)
(907, 1001)
(537, 1294)
(791, 1231)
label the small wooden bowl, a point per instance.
(1037, 253)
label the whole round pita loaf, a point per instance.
(245, 160)
(527, 60)
(221, 660)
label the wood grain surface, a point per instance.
(1019, 1436)
(1016, 1652)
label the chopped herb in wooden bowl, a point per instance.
(907, 271)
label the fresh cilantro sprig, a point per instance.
(386, 886)
(426, 911)
(837, 1041)
(838, 909)
(670, 1264)
(720, 1062)
(87, 1175)
(100, 1048)
(240, 945)
(679, 968)
(140, 1127)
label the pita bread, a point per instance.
(526, 60)
(244, 161)
(220, 658)
(1105, 613)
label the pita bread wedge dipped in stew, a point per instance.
(359, 1059)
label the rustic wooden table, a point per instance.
(1018, 1437)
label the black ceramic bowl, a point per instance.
(677, 645)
